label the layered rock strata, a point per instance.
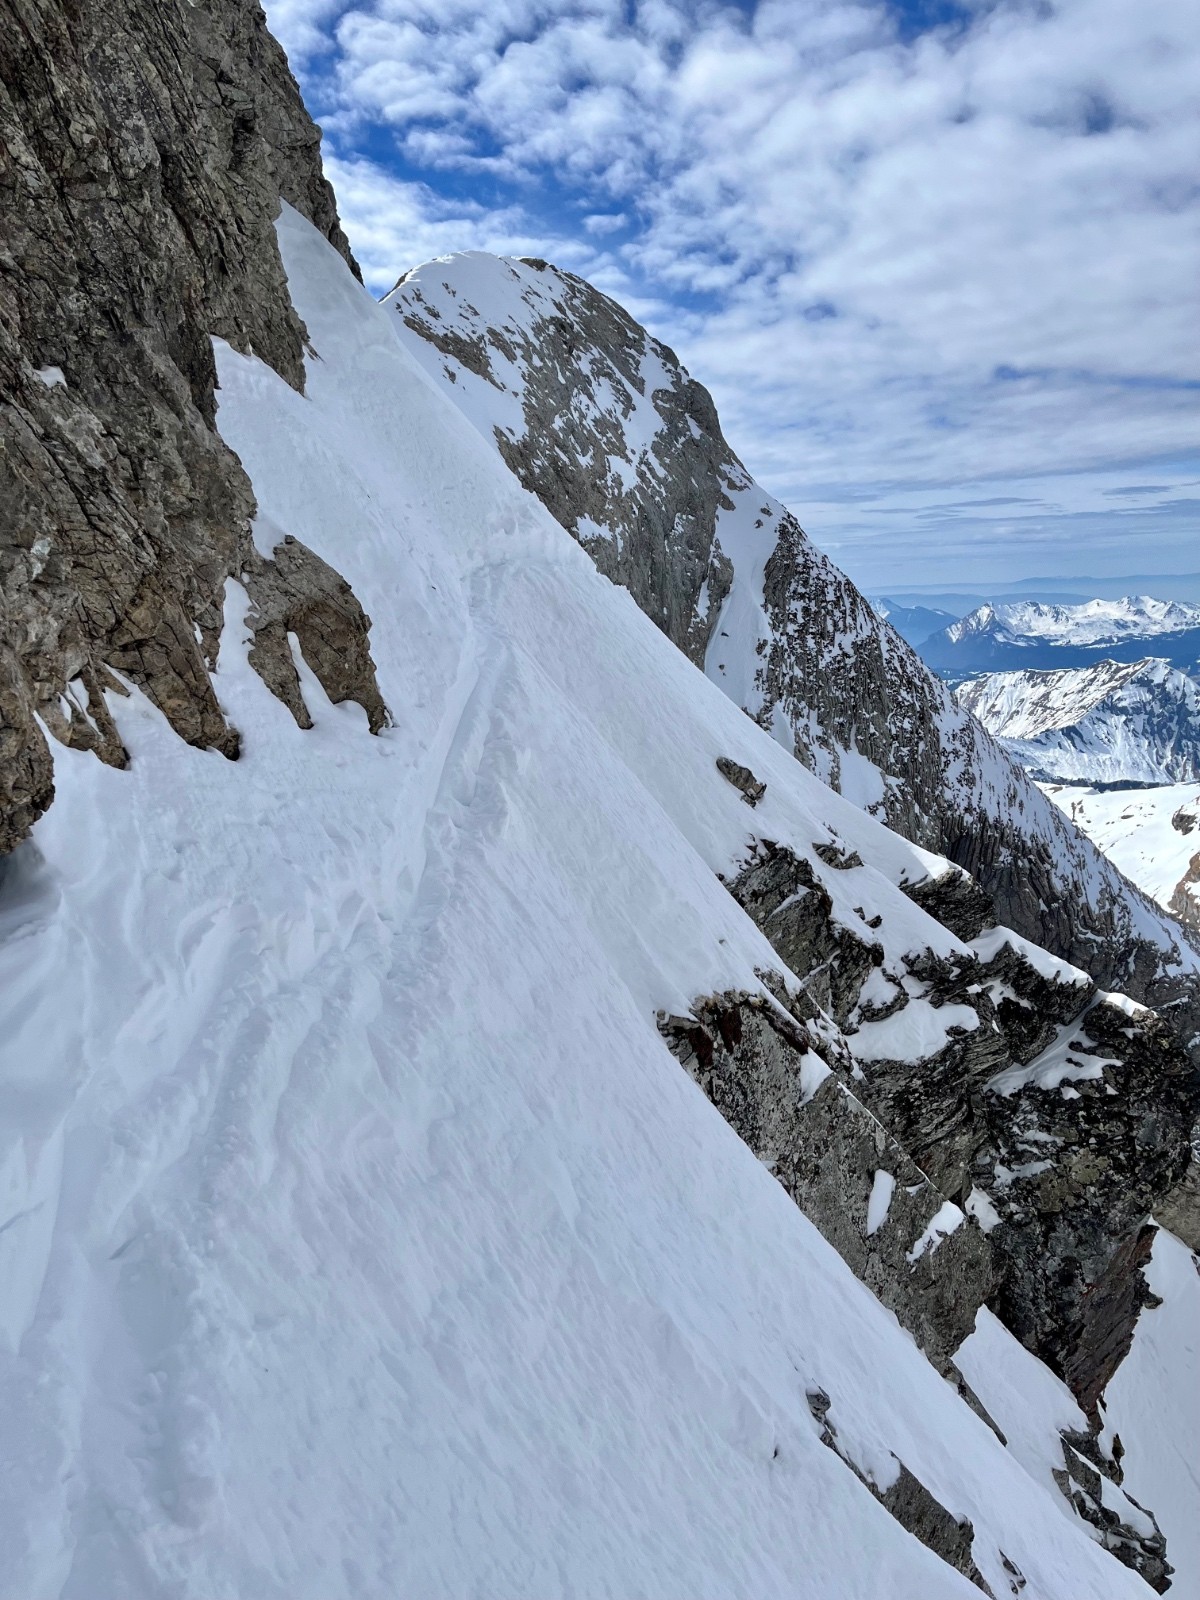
(839, 1163)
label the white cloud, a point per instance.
(967, 255)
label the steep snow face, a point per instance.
(625, 449)
(1156, 1436)
(360, 1235)
(1111, 723)
(1035, 635)
(1152, 835)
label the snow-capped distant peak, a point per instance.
(1089, 623)
(1113, 722)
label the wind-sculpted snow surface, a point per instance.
(360, 1235)
(1115, 722)
(625, 449)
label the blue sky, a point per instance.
(937, 263)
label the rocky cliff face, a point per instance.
(603, 425)
(624, 448)
(145, 147)
(967, 1120)
(1055, 1115)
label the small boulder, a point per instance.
(742, 779)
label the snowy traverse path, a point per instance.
(361, 1237)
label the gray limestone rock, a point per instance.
(911, 1503)
(1091, 1483)
(295, 592)
(646, 514)
(1179, 1211)
(783, 895)
(742, 779)
(956, 901)
(1183, 902)
(837, 1161)
(1070, 1157)
(146, 145)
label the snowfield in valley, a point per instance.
(1152, 835)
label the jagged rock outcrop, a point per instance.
(600, 434)
(625, 449)
(742, 779)
(840, 1165)
(911, 1503)
(1056, 1115)
(1091, 1482)
(1185, 901)
(145, 146)
(1097, 1133)
(1179, 1211)
(971, 1125)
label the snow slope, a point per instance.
(625, 449)
(360, 1235)
(1152, 835)
(1113, 722)
(1158, 1435)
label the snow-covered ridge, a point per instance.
(625, 449)
(1115, 722)
(1032, 635)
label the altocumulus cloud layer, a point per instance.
(938, 267)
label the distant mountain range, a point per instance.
(961, 598)
(1032, 635)
(914, 623)
(1110, 723)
